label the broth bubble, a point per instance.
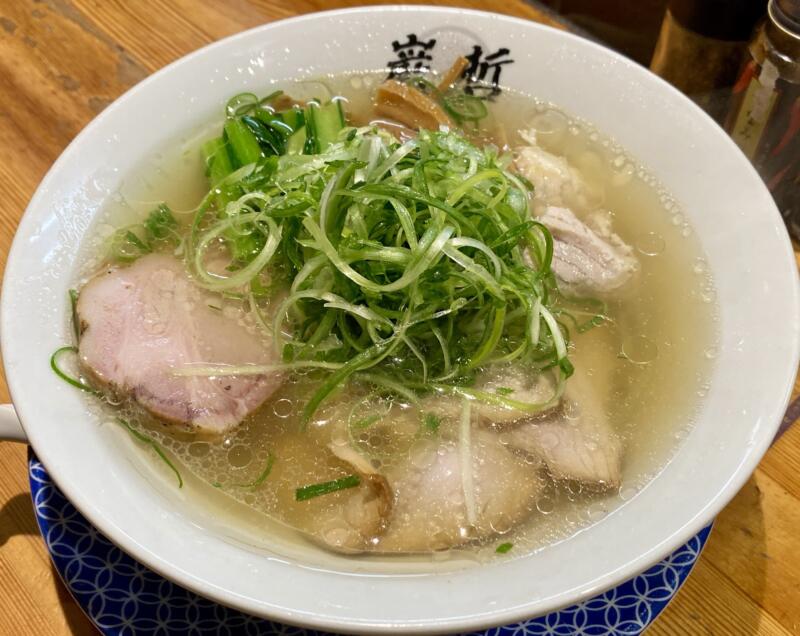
(597, 512)
(240, 456)
(627, 493)
(550, 124)
(199, 449)
(501, 524)
(699, 266)
(283, 407)
(650, 243)
(423, 454)
(639, 349)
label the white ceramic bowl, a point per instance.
(731, 211)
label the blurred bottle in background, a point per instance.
(764, 118)
(701, 46)
(707, 48)
(629, 26)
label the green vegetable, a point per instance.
(54, 365)
(265, 101)
(407, 266)
(463, 107)
(271, 138)
(155, 446)
(126, 246)
(160, 224)
(73, 304)
(241, 104)
(218, 161)
(159, 228)
(263, 476)
(365, 422)
(294, 118)
(323, 124)
(297, 142)
(431, 422)
(243, 143)
(327, 487)
(504, 547)
(245, 104)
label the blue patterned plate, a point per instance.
(122, 597)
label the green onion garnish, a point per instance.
(327, 487)
(241, 104)
(504, 547)
(365, 422)
(262, 477)
(408, 266)
(157, 230)
(463, 107)
(504, 390)
(73, 303)
(145, 439)
(431, 422)
(54, 365)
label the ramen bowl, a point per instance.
(262, 569)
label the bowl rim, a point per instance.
(161, 564)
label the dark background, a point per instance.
(631, 26)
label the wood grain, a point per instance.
(63, 61)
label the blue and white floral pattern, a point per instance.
(124, 598)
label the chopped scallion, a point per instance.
(262, 477)
(145, 439)
(431, 422)
(54, 365)
(326, 487)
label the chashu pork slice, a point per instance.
(442, 493)
(444, 499)
(577, 440)
(141, 323)
(588, 259)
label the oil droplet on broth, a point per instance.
(624, 176)
(699, 266)
(650, 243)
(501, 524)
(597, 512)
(423, 454)
(708, 295)
(549, 125)
(639, 349)
(240, 456)
(626, 493)
(283, 407)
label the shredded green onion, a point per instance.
(316, 490)
(157, 230)
(76, 382)
(410, 266)
(465, 461)
(145, 439)
(464, 107)
(73, 303)
(262, 477)
(431, 422)
(503, 548)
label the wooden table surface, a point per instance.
(62, 62)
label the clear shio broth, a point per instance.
(653, 357)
